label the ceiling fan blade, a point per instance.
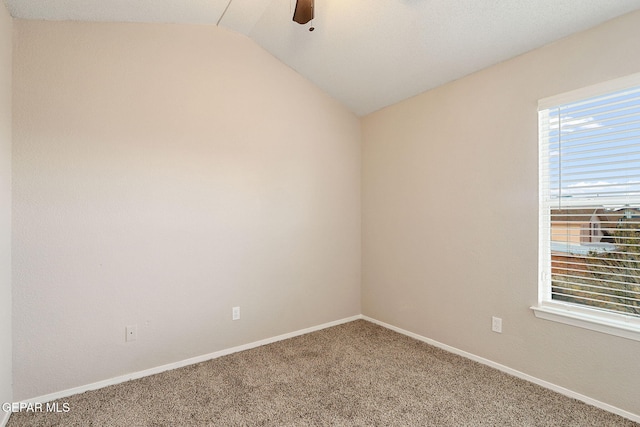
(303, 12)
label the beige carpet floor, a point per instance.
(356, 374)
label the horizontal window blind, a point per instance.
(590, 202)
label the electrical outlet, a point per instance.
(496, 324)
(235, 313)
(131, 332)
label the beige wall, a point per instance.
(450, 216)
(162, 175)
(5, 205)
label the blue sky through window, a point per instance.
(594, 147)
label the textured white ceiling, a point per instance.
(366, 53)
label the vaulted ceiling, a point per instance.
(366, 53)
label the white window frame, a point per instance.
(571, 314)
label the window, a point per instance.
(589, 205)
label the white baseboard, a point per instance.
(510, 371)
(5, 418)
(191, 361)
(215, 355)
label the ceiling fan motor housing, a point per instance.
(304, 11)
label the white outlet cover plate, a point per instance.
(496, 324)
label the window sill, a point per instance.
(593, 320)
